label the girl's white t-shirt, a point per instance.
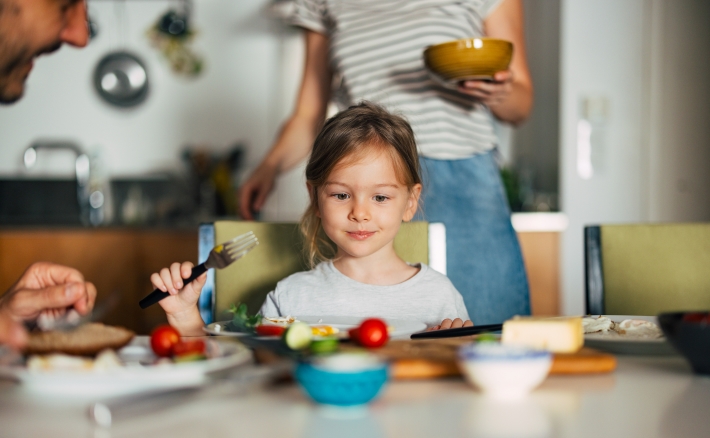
(428, 297)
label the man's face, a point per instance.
(29, 28)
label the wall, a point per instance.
(649, 59)
(602, 54)
(239, 97)
(679, 111)
(537, 140)
(289, 198)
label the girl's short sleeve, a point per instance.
(270, 307)
(310, 14)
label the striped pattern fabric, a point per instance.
(376, 54)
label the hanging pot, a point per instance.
(121, 79)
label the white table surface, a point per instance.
(644, 397)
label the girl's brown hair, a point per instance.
(345, 139)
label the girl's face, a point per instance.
(362, 205)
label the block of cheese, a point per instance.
(558, 334)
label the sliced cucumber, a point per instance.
(324, 345)
(298, 336)
(192, 357)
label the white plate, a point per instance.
(620, 344)
(401, 328)
(138, 375)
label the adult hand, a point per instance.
(11, 332)
(47, 287)
(295, 140)
(447, 324)
(490, 93)
(253, 193)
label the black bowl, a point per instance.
(689, 333)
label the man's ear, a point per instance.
(314, 197)
(412, 203)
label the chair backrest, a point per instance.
(280, 254)
(646, 269)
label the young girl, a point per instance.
(363, 179)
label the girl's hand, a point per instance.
(490, 93)
(181, 305)
(447, 324)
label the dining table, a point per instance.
(645, 396)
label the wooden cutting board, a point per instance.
(434, 358)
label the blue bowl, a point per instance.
(340, 387)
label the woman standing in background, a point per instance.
(372, 50)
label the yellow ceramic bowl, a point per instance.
(468, 58)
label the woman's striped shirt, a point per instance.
(376, 54)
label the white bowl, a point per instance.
(503, 371)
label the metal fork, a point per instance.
(220, 257)
(71, 318)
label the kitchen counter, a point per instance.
(157, 201)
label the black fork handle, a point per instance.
(158, 294)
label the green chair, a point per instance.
(646, 269)
(280, 254)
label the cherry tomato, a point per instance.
(188, 347)
(354, 334)
(163, 339)
(697, 317)
(372, 333)
(269, 330)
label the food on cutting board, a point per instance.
(282, 322)
(324, 345)
(697, 317)
(298, 336)
(372, 333)
(189, 350)
(241, 320)
(166, 342)
(324, 330)
(600, 324)
(73, 350)
(281, 319)
(163, 339)
(86, 340)
(278, 330)
(638, 328)
(558, 334)
(603, 327)
(269, 330)
(270, 326)
(105, 360)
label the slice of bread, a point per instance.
(86, 340)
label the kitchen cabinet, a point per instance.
(541, 252)
(539, 237)
(119, 259)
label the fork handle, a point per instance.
(158, 295)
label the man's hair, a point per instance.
(347, 138)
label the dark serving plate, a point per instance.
(689, 333)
